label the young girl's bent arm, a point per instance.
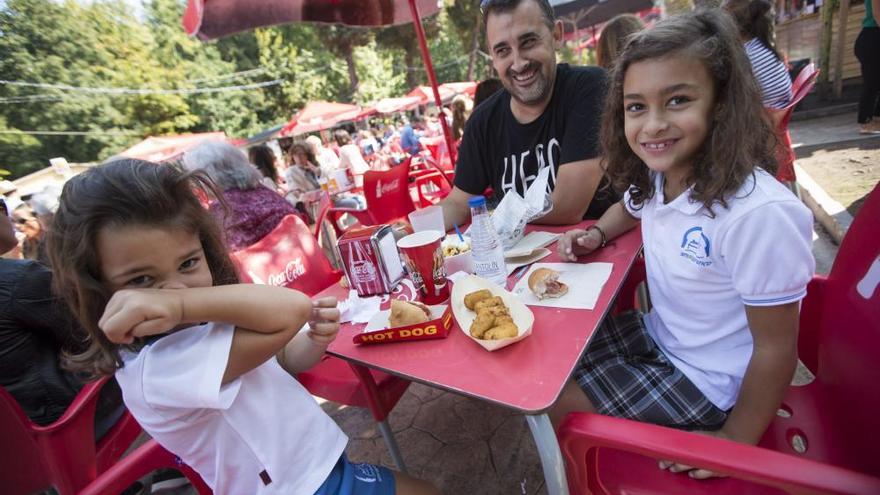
(307, 348)
(266, 317)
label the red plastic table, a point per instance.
(527, 376)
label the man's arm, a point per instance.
(576, 184)
(455, 208)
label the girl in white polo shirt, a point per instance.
(727, 247)
(205, 364)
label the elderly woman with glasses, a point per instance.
(254, 210)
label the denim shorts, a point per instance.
(348, 478)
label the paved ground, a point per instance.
(825, 132)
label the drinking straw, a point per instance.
(460, 237)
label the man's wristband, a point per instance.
(601, 233)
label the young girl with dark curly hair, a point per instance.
(727, 247)
(205, 364)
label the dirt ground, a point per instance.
(847, 174)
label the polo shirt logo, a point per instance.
(695, 246)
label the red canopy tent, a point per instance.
(465, 87)
(356, 115)
(164, 148)
(317, 116)
(425, 94)
(393, 105)
(209, 19)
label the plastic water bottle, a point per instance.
(486, 246)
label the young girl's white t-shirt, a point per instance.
(703, 271)
(261, 433)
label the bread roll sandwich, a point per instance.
(544, 283)
(405, 313)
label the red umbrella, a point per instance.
(212, 19)
(317, 116)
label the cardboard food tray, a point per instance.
(521, 314)
(377, 331)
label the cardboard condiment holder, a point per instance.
(377, 331)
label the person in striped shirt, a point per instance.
(755, 21)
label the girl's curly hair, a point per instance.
(123, 193)
(740, 137)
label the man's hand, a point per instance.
(324, 321)
(455, 208)
(140, 312)
(695, 473)
(578, 242)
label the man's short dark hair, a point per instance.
(496, 6)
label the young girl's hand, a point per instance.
(324, 322)
(695, 473)
(140, 312)
(576, 243)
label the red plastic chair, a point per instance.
(290, 256)
(63, 454)
(388, 199)
(800, 87)
(833, 417)
(142, 461)
(431, 187)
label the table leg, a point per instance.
(551, 456)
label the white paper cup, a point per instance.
(430, 218)
(462, 262)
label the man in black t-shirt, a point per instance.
(546, 116)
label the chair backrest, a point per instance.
(23, 468)
(289, 256)
(387, 194)
(63, 454)
(800, 88)
(324, 205)
(849, 338)
(785, 156)
(807, 76)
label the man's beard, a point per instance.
(535, 93)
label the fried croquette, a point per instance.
(489, 302)
(504, 331)
(497, 311)
(482, 322)
(493, 321)
(473, 298)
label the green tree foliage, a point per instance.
(101, 44)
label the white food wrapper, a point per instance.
(514, 211)
(358, 309)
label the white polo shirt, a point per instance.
(262, 433)
(703, 271)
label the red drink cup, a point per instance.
(423, 257)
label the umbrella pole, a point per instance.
(429, 68)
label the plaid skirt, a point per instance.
(625, 374)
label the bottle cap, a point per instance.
(476, 201)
